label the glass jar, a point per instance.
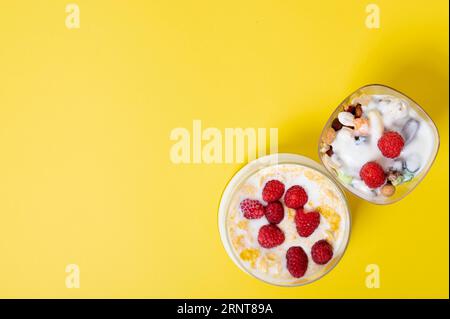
(230, 200)
(398, 177)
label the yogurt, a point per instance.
(345, 149)
(269, 265)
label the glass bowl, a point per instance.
(230, 198)
(401, 178)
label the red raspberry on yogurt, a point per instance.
(252, 209)
(273, 191)
(321, 252)
(296, 261)
(391, 144)
(306, 223)
(274, 212)
(372, 174)
(295, 197)
(270, 236)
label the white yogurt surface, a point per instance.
(270, 264)
(385, 113)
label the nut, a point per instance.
(324, 147)
(330, 151)
(361, 126)
(346, 118)
(349, 108)
(358, 111)
(336, 125)
(388, 190)
(329, 135)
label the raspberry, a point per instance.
(274, 212)
(306, 222)
(372, 174)
(272, 191)
(270, 236)
(295, 197)
(391, 144)
(252, 209)
(321, 252)
(296, 261)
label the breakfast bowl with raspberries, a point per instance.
(379, 144)
(284, 220)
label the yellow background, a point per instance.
(85, 118)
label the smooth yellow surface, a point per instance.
(85, 118)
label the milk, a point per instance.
(322, 193)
